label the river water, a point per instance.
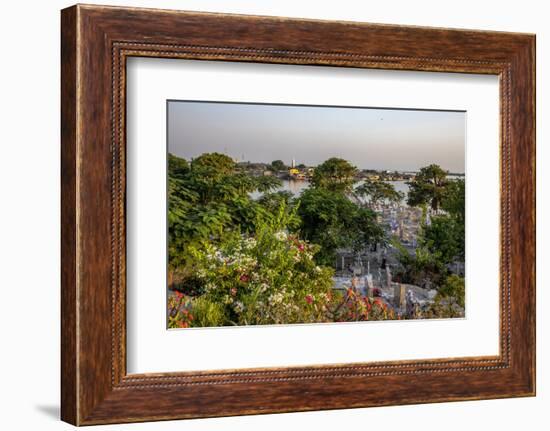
(297, 187)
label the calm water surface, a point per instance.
(297, 187)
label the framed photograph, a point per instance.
(264, 215)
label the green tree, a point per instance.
(421, 268)
(428, 187)
(453, 290)
(266, 183)
(331, 220)
(454, 199)
(445, 235)
(378, 191)
(177, 167)
(209, 201)
(272, 201)
(336, 175)
(278, 165)
(441, 243)
(214, 165)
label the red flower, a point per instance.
(179, 295)
(301, 247)
(244, 278)
(309, 299)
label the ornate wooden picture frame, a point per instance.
(96, 41)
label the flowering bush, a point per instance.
(179, 313)
(353, 307)
(267, 278)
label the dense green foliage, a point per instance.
(331, 220)
(445, 235)
(266, 278)
(422, 268)
(235, 260)
(208, 201)
(336, 175)
(441, 244)
(428, 187)
(278, 165)
(378, 191)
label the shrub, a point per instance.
(453, 290)
(353, 307)
(266, 278)
(179, 313)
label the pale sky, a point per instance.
(370, 138)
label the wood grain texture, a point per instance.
(96, 41)
(69, 397)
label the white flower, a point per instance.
(281, 235)
(250, 243)
(276, 298)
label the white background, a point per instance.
(151, 348)
(29, 216)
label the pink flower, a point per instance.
(233, 291)
(309, 299)
(301, 247)
(244, 278)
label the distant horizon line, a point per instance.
(401, 171)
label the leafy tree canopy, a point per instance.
(214, 164)
(209, 200)
(444, 237)
(331, 220)
(278, 165)
(378, 191)
(428, 187)
(177, 167)
(422, 268)
(336, 175)
(454, 199)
